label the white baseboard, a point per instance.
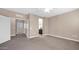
(63, 37)
(33, 37)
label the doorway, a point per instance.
(20, 28)
(40, 21)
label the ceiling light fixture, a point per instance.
(48, 9)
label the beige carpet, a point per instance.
(40, 43)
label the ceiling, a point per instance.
(40, 11)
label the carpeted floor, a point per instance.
(40, 43)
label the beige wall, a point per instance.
(45, 25)
(26, 26)
(13, 26)
(65, 25)
(33, 25)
